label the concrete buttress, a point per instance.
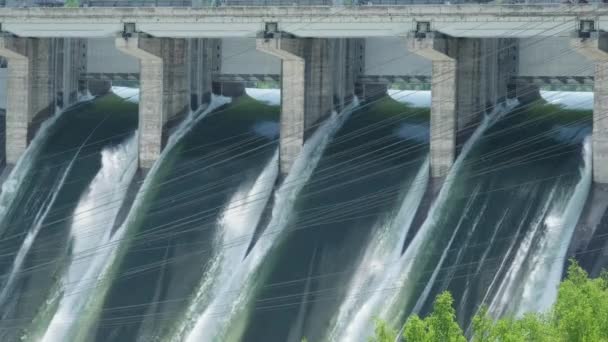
(595, 48)
(306, 89)
(30, 91)
(164, 88)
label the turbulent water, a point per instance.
(192, 221)
(503, 221)
(212, 244)
(369, 172)
(52, 204)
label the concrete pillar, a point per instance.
(306, 89)
(30, 95)
(164, 88)
(293, 95)
(99, 87)
(444, 81)
(469, 78)
(595, 48)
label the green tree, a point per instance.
(383, 333)
(580, 314)
(439, 326)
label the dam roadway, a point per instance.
(466, 20)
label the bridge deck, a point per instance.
(468, 20)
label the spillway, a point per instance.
(192, 221)
(364, 192)
(499, 233)
(49, 202)
(226, 316)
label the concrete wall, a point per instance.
(239, 56)
(550, 56)
(389, 56)
(103, 57)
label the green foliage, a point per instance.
(383, 333)
(72, 3)
(580, 314)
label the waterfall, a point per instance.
(380, 259)
(237, 224)
(10, 187)
(114, 257)
(91, 235)
(396, 291)
(225, 316)
(37, 224)
(533, 277)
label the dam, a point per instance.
(257, 170)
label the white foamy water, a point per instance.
(569, 99)
(413, 98)
(37, 224)
(222, 319)
(268, 96)
(114, 257)
(236, 228)
(532, 280)
(380, 261)
(127, 93)
(91, 235)
(396, 291)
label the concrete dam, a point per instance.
(271, 172)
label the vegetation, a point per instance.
(580, 314)
(72, 3)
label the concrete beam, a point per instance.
(463, 20)
(595, 48)
(29, 89)
(438, 48)
(164, 88)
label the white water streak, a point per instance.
(397, 290)
(32, 233)
(91, 234)
(532, 281)
(381, 258)
(113, 258)
(235, 299)
(237, 222)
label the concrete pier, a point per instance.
(469, 77)
(306, 90)
(595, 48)
(29, 89)
(438, 49)
(164, 88)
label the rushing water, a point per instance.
(41, 241)
(217, 247)
(355, 197)
(198, 199)
(505, 222)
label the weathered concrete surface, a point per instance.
(469, 78)
(312, 86)
(303, 21)
(99, 87)
(29, 89)
(596, 49)
(164, 88)
(293, 95)
(438, 48)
